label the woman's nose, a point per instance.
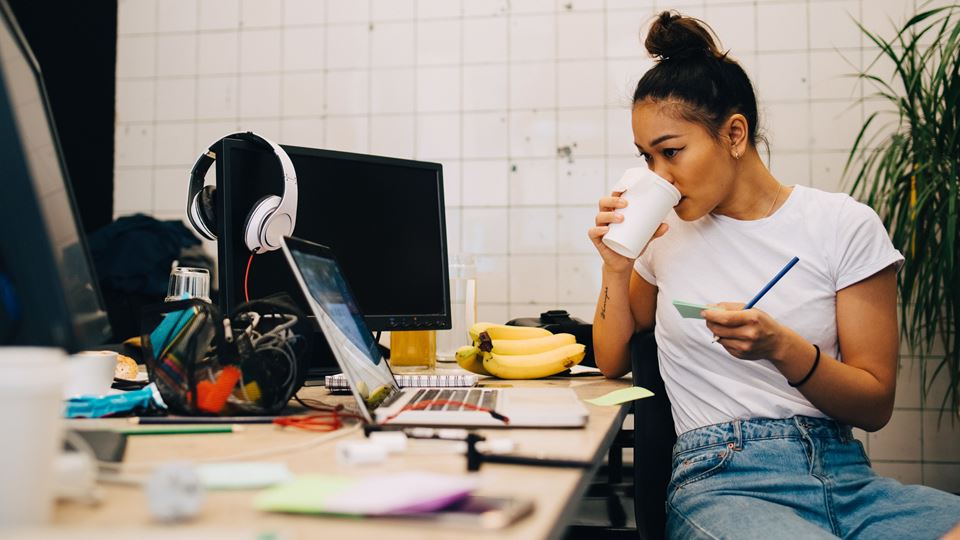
(662, 172)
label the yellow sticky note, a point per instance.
(622, 395)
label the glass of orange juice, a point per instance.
(414, 348)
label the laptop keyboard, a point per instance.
(467, 399)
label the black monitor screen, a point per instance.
(383, 217)
(43, 253)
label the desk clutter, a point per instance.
(252, 362)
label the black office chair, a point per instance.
(652, 441)
(653, 438)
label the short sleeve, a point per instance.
(863, 246)
(644, 265)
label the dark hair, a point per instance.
(707, 85)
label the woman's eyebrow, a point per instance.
(662, 138)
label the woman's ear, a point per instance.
(736, 131)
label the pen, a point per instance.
(177, 430)
(772, 282)
(767, 287)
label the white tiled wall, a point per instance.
(526, 104)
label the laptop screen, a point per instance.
(341, 321)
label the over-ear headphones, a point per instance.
(270, 219)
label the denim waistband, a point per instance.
(736, 432)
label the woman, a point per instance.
(761, 401)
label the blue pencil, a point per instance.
(767, 287)
(772, 282)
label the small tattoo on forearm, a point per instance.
(603, 308)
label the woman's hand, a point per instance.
(748, 334)
(606, 216)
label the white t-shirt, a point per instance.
(720, 259)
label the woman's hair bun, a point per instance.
(674, 36)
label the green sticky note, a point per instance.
(692, 311)
(304, 495)
(622, 395)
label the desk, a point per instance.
(556, 492)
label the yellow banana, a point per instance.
(534, 366)
(476, 329)
(532, 345)
(503, 331)
(471, 359)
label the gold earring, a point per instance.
(736, 155)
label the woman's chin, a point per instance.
(686, 212)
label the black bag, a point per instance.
(559, 321)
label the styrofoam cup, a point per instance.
(90, 373)
(649, 199)
(31, 387)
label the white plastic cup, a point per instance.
(31, 388)
(649, 200)
(90, 373)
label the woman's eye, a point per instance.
(643, 156)
(670, 153)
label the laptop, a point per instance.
(380, 398)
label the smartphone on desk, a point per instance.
(477, 512)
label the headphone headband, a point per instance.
(270, 219)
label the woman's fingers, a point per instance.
(596, 233)
(613, 202)
(661, 230)
(606, 218)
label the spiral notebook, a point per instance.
(338, 382)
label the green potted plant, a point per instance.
(908, 170)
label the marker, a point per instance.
(178, 430)
(142, 420)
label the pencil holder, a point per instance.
(203, 363)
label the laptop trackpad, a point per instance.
(539, 401)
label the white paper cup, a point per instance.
(90, 373)
(649, 199)
(31, 387)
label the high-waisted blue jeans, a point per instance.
(798, 477)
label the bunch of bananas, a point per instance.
(518, 352)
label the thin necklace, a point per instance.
(774, 203)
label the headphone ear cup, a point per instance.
(206, 204)
(257, 220)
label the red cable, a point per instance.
(246, 277)
(326, 421)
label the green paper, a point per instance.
(304, 495)
(622, 395)
(692, 311)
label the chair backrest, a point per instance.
(654, 435)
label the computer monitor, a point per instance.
(47, 284)
(383, 217)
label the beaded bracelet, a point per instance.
(816, 362)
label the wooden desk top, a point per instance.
(556, 492)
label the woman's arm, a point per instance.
(860, 390)
(627, 304)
